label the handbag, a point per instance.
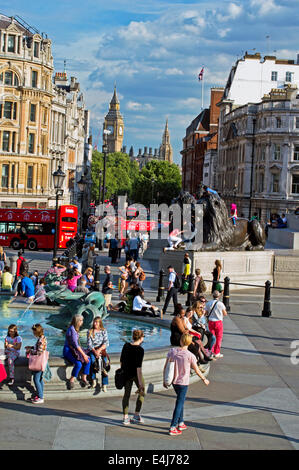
(218, 287)
(168, 374)
(202, 286)
(3, 373)
(142, 276)
(119, 378)
(38, 362)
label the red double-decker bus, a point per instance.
(34, 228)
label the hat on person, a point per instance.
(76, 258)
(216, 294)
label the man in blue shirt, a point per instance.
(27, 287)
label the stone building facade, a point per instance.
(164, 153)
(37, 119)
(258, 160)
(199, 152)
(256, 121)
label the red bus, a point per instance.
(35, 228)
(141, 226)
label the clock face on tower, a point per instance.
(120, 130)
(111, 129)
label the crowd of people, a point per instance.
(195, 333)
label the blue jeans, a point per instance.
(178, 413)
(93, 374)
(38, 382)
(67, 354)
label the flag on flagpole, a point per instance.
(200, 75)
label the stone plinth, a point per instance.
(245, 267)
(285, 237)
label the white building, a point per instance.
(259, 112)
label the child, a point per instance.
(72, 279)
(40, 293)
(12, 345)
(233, 213)
(6, 279)
(107, 292)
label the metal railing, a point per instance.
(266, 311)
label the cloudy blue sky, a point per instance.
(154, 51)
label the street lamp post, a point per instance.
(106, 132)
(100, 186)
(58, 179)
(81, 184)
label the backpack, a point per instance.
(24, 267)
(177, 282)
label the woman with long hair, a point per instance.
(97, 343)
(216, 276)
(74, 353)
(131, 362)
(37, 349)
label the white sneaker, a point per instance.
(218, 355)
(38, 400)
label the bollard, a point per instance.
(97, 278)
(190, 290)
(266, 312)
(161, 287)
(226, 294)
(13, 264)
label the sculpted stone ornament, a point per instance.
(88, 305)
(219, 233)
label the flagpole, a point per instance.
(202, 90)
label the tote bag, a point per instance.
(38, 362)
(3, 373)
(169, 373)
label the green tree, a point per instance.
(120, 174)
(158, 181)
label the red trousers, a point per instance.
(216, 327)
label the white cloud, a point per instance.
(265, 7)
(174, 71)
(135, 106)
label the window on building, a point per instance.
(297, 122)
(289, 76)
(12, 176)
(261, 182)
(275, 182)
(5, 141)
(276, 154)
(31, 143)
(34, 79)
(30, 177)
(274, 76)
(4, 178)
(295, 184)
(296, 153)
(263, 153)
(278, 122)
(9, 110)
(32, 112)
(9, 78)
(11, 43)
(13, 142)
(36, 49)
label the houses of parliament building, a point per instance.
(114, 123)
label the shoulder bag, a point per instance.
(119, 378)
(38, 362)
(168, 374)
(208, 316)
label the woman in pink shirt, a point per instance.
(184, 360)
(72, 279)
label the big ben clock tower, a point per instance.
(115, 124)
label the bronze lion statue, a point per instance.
(219, 233)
